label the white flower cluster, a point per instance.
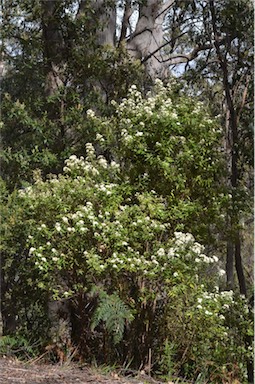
(90, 165)
(215, 303)
(135, 108)
(105, 187)
(133, 261)
(100, 138)
(44, 256)
(79, 164)
(90, 113)
(186, 246)
(183, 238)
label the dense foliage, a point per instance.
(115, 236)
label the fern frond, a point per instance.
(114, 313)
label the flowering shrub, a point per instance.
(169, 143)
(123, 226)
(88, 230)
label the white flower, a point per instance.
(99, 137)
(222, 272)
(65, 219)
(197, 248)
(161, 252)
(31, 250)
(208, 313)
(171, 252)
(90, 113)
(189, 237)
(199, 306)
(139, 133)
(114, 165)
(58, 227)
(102, 162)
(90, 149)
(43, 259)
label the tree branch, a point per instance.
(179, 58)
(168, 4)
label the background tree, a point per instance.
(223, 73)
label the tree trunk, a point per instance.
(230, 265)
(234, 177)
(107, 22)
(147, 40)
(239, 266)
(53, 46)
(233, 125)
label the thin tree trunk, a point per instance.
(239, 266)
(230, 265)
(234, 152)
(233, 125)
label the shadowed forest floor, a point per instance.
(15, 372)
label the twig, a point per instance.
(37, 358)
